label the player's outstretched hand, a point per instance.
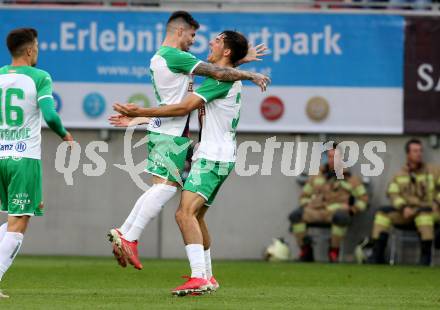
(129, 109)
(254, 53)
(119, 120)
(260, 80)
(69, 139)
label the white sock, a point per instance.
(196, 259)
(158, 196)
(3, 230)
(208, 265)
(9, 247)
(132, 216)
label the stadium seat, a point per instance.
(399, 235)
(321, 232)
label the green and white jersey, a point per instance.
(20, 117)
(170, 70)
(222, 108)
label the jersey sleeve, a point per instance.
(212, 89)
(182, 62)
(51, 117)
(44, 86)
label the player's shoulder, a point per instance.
(41, 73)
(38, 75)
(167, 51)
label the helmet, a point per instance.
(278, 250)
(363, 251)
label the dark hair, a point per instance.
(19, 38)
(184, 16)
(411, 141)
(237, 43)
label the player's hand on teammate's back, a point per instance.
(69, 139)
(261, 80)
(254, 53)
(129, 109)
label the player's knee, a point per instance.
(341, 218)
(184, 214)
(179, 216)
(296, 216)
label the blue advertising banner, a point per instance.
(330, 72)
(306, 49)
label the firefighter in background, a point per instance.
(414, 195)
(327, 199)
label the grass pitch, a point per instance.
(98, 283)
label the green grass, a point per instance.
(97, 283)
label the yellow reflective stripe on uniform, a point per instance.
(431, 184)
(304, 201)
(424, 220)
(338, 231)
(362, 205)
(307, 189)
(360, 190)
(393, 188)
(334, 206)
(382, 220)
(299, 228)
(319, 181)
(346, 185)
(402, 179)
(398, 202)
(421, 178)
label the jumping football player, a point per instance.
(171, 69)
(213, 160)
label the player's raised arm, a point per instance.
(254, 54)
(189, 103)
(231, 74)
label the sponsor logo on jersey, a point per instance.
(6, 147)
(94, 105)
(20, 147)
(156, 122)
